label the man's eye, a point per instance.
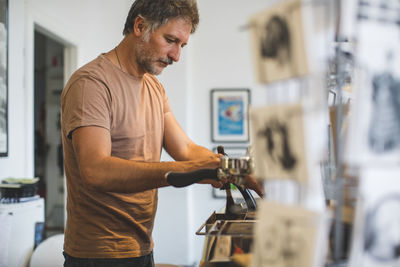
(170, 40)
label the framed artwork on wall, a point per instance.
(229, 115)
(3, 78)
(278, 142)
(278, 39)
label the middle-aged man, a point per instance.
(116, 119)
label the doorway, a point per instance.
(48, 159)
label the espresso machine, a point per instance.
(228, 233)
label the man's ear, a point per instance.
(139, 26)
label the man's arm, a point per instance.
(178, 144)
(180, 147)
(101, 171)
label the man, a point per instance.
(115, 121)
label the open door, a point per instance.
(52, 67)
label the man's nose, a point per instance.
(175, 53)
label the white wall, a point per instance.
(94, 26)
(171, 230)
(218, 56)
(78, 23)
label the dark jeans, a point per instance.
(144, 261)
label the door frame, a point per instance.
(37, 20)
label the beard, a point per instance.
(148, 62)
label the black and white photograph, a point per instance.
(287, 236)
(3, 79)
(375, 126)
(278, 41)
(382, 11)
(278, 142)
(377, 224)
(384, 126)
(382, 230)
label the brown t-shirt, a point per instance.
(105, 224)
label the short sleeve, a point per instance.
(86, 102)
(167, 107)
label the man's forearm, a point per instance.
(196, 152)
(119, 175)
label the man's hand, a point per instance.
(214, 162)
(254, 184)
(214, 183)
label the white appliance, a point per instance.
(17, 231)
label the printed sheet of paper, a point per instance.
(278, 142)
(222, 249)
(376, 235)
(289, 236)
(375, 125)
(278, 42)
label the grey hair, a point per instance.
(156, 13)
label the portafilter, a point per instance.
(231, 170)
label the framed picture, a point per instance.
(376, 223)
(279, 143)
(374, 126)
(287, 235)
(279, 49)
(3, 78)
(229, 115)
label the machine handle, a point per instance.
(248, 197)
(221, 150)
(182, 179)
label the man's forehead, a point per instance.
(176, 26)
